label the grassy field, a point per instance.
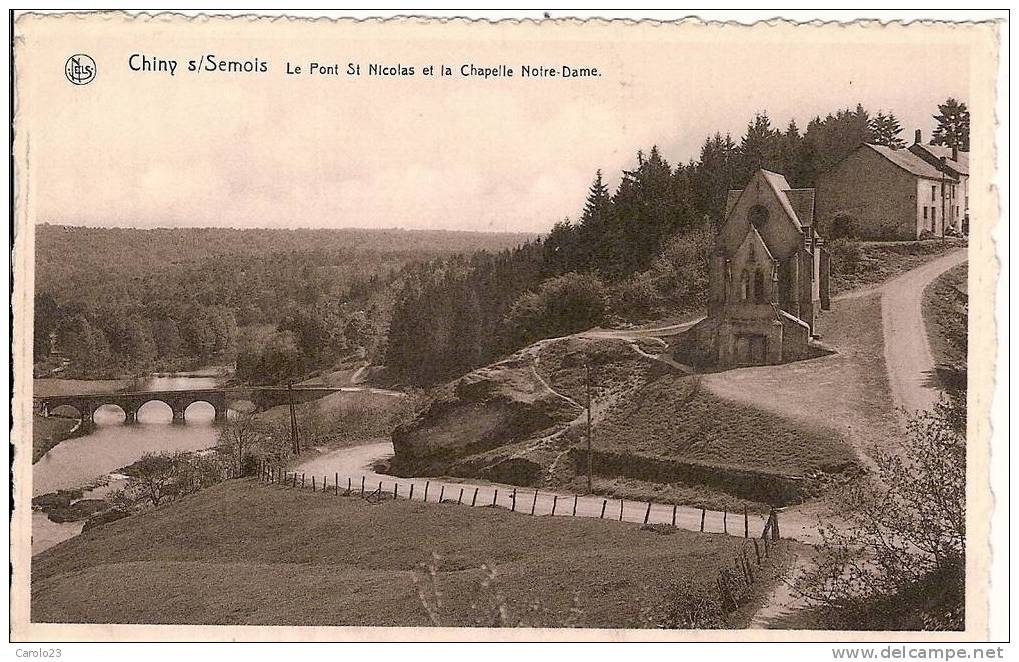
(246, 553)
(862, 263)
(945, 314)
(672, 418)
(47, 432)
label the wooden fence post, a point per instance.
(702, 520)
(647, 514)
(757, 551)
(295, 480)
(362, 485)
(442, 491)
(396, 491)
(460, 498)
(746, 522)
(513, 507)
(620, 510)
(313, 488)
(302, 481)
(673, 514)
(555, 500)
(411, 497)
(575, 497)
(604, 502)
(725, 521)
(427, 483)
(495, 497)
(380, 488)
(474, 500)
(774, 528)
(349, 489)
(534, 503)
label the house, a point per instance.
(885, 193)
(955, 163)
(768, 280)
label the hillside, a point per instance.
(246, 553)
(656, 432)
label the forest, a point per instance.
(115, 302)
(429, 306)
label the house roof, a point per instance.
(959, 165)
(802, 201)
(908, 161)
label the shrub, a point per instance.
(896, 557)
(843, 226)
(846, 257)
(563, 305)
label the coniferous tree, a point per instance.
(885, 130)
(953, 125)
(760, 147)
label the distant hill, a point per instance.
(63, 252)
(120, 301)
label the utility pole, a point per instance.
(587, 367)
(295, 441)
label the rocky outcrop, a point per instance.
(493, 406)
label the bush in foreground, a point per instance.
(896, 558)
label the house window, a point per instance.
(934, 192)
(744, 286)
(925, 213)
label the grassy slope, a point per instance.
(945, 311)
(847, 391)
(245, 553)
(672, 418)
(882, 260)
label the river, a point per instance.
(76, 462)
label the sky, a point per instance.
(146, 149)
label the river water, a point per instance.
(76, 462)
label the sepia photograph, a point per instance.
(588, 329)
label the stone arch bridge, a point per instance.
(263, 397)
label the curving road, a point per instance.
(907, 351)
(354, 464)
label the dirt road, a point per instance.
(907, 351)
(354, 464)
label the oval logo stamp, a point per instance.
(80, 69)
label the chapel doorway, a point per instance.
(751, 350)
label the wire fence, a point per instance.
(532, 502)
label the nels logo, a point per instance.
(80, 69)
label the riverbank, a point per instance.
(48, 431)
(249, 553)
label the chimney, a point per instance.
(955, 152)
(917, 137)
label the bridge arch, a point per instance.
(203, 404)
(111, 413)
(156, 409)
